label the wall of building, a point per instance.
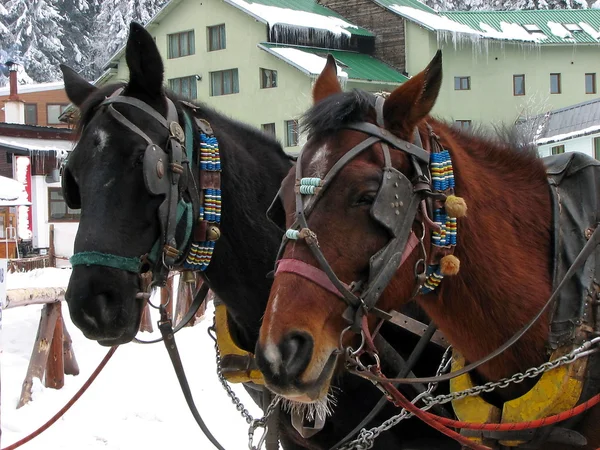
(584, 144)
(42, 99)
(491, 66)
(387, 27)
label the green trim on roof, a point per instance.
(359, 66)
(533, 17)
(410, 3)
(309, 6)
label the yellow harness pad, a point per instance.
(556, 391)
(229, 350)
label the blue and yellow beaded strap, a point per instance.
(201, 252)
(444, 238)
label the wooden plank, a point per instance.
(55, 366)
(33, 296)
(39, 355)
(70, 362)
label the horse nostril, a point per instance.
(296, 352)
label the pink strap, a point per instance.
(319, 277)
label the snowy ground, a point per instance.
(135, 403)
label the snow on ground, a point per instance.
(135, 403)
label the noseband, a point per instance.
(166, 172)
(396, 207)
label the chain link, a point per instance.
(366, 438)
(253, 424)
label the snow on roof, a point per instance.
(570, 135)
(60, 146)
(274, 15)
(40, 87)
(10, 189)
(307, 62)
(557, 29)
(589, 29)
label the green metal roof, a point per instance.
(541, 18)
(310, 6)
(358, 66)
(410, 3)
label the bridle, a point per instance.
(396, 207)
(166, 172)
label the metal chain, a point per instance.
(253, 424)
(366, 438)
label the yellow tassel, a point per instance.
(456, 206)
(449, 265)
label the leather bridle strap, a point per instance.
(585, 252)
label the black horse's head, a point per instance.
(104, 175)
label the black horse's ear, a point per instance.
(276, 212)
(76, 87)
(146, 70)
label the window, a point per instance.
(185, 86)
(558, 149)
(216, 37)
(462, 83)
(224, 82)
(31, 117)
(590, 83)
(54, 111)
(532, 28)
(573, 27)
(463, 124)
(518, 84)
(555, 83)
(268, 78)
(181, 44)
(597, 148)
(291, 133)
(268, 128)
(58, 211)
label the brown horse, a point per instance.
(504, 242)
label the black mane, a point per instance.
(336, 111)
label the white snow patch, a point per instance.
(274, 15)
(310, 62)
(590, 29)
(10, 189)
(39, 87)
(135, 403)
(39, 278)
(572, 134)
(557, 29)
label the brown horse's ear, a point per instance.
(327, 83)
(413, 100)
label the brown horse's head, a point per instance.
(303, 323)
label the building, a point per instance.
(41, 104)
(256, 61)
(498, 65)
(575, 128)
(31, 155)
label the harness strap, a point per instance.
(585, 252)
(138, 104)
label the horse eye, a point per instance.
(365, 199)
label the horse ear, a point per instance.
(327, 83)
(76, 87)
(413, 100)
(146, 68)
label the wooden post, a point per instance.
(52, 249)
(55, 367)
(184, 291)
(164, 296)
(146, 322)
(39, 355)
(70, 362)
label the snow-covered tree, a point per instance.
(36, 32)
(112, 23)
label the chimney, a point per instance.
(12, 80)
(14, 107)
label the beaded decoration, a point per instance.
(201, 253)
(442, 176)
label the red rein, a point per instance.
(441, 423)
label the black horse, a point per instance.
(105, 176)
